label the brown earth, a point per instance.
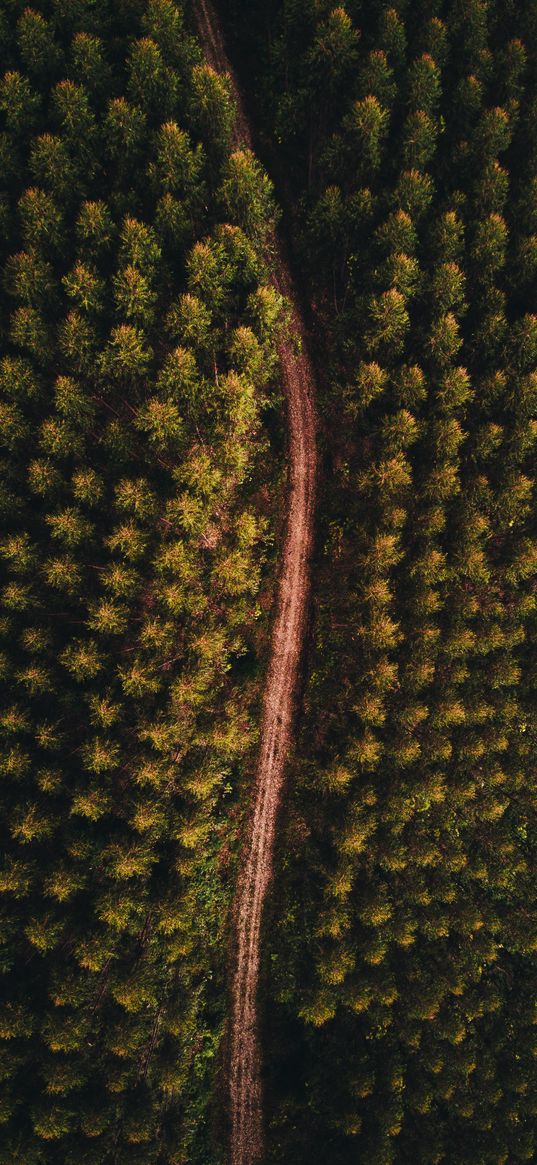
(280, 692)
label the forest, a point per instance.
(139, 423)
(144, 491)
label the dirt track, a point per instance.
(279, 699)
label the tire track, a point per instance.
(245, 1091)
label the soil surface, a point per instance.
(283, 672)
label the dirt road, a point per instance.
(279, 699)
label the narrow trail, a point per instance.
(281, 685)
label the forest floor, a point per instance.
(282, 677)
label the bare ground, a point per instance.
(245, 1092)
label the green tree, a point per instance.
(365, 127)
(246, 195)
(19, 103)
(38, 46)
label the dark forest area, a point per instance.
(401, 948)
(143, 449)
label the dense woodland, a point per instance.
(140, 440)
(401, 947)
(141, 502)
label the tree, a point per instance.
(41, 220)
(424, 84)
(152, 86)
(125, 131)
(392, 35)
(246, 195)
(401, 272)
(419, 142)
(448, 288)
(173, 224)
(377, 78)
(38, 47)
(177, 166)
(139, 247)
(398, 233)
(365, 127)
(163, 21)
(490, 244)
(86, 288)
(19, 103)
(53, 168)
(444, 339)
(77, 342)
(89, 65)
(492, 188)
(389, 322)
(29, 278)
(413, 193)
(71, 111)
(213, 112)
(189, 320)
(69, 526)
(29, 331)
(126, 357)
(95, 228)
(332, 57)
(179, 379)
(134, 297)
(493, 133)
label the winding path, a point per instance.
(279, 698)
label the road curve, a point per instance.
(245, 1092)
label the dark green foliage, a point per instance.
(139, 343)
(402, 947)
(139, 337)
